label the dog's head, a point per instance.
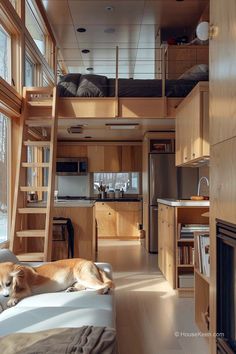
(10, 274)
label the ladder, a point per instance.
(40, 107)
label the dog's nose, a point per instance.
(6, 295)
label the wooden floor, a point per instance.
(150, 316)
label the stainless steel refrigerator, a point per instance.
(167, 181)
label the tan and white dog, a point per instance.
(18, 281)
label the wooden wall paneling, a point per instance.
(222, 69)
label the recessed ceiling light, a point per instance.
(109, 8)
(78, 129)
(121, 126)
(109, 30)
(81, 29)
(87, 137)
(85, 51)
(89, 69)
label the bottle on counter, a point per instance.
(117, 193)
(122, 193)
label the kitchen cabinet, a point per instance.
(115, 158)
(166, 242)
(96, 158)
(192, 127)
(106, 219)
(118, 219)
(131, 158)
(182, 58)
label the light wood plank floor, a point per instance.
(150, 316)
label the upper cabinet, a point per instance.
(192, 127)
(115, 158)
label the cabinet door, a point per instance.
(112, 158)
(128, 218)
(195, 126)
(106, 219)
(169, 253)
(222, 71)
(96, 158)
(131, 158)
(161, 235)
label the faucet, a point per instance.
(199, 183)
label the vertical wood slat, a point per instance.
(51, 178)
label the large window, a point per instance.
(5, 54)
(34, 26)
(129, 181)
(4, 225)
(29, 72)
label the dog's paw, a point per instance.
(71, 289)
(12, 302)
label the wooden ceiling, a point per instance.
(132, 25)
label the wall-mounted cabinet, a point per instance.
(192, 127)
(106, 158)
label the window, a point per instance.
(4, 222)
(29, 72)
(5, 55)
(129, 181)
(33, 25)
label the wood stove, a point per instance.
(226, 287)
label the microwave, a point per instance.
(72, 166)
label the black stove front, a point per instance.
(226, 287)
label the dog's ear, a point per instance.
(18, 271)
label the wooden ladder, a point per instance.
(38, 111)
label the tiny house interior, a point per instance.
(117, 146)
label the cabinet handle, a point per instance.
(193, 154)
(185, 158)
(109, 213)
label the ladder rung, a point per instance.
(35, 164)
(31, 233)
(40, 143)
(33, 189)
(32, 210)
(31, 257)
(40, 90)
(39, 122)
(40, 103)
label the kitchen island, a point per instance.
(172, 215)
(82, 215)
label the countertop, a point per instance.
(65, 203)
(184, 202)
(118, 200)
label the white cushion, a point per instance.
(31, 319)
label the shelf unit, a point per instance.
(202, 285)
(186, 215)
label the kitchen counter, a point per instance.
(184, 202)
(119, 200)
(65, 204)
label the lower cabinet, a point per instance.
(166, 243)
(118, 219)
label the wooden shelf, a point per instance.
(185, 265)
(204, 277)
(186, 240)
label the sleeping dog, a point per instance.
(19, 281)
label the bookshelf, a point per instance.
(202, 281)
(189, 220)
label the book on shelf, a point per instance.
(187, 230)
(185, 255)
(203, 245)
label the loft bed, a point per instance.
(97, 96)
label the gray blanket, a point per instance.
(83, 340)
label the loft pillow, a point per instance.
(6, 256)
(68, 85)
(92, 86)
(197, 72)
